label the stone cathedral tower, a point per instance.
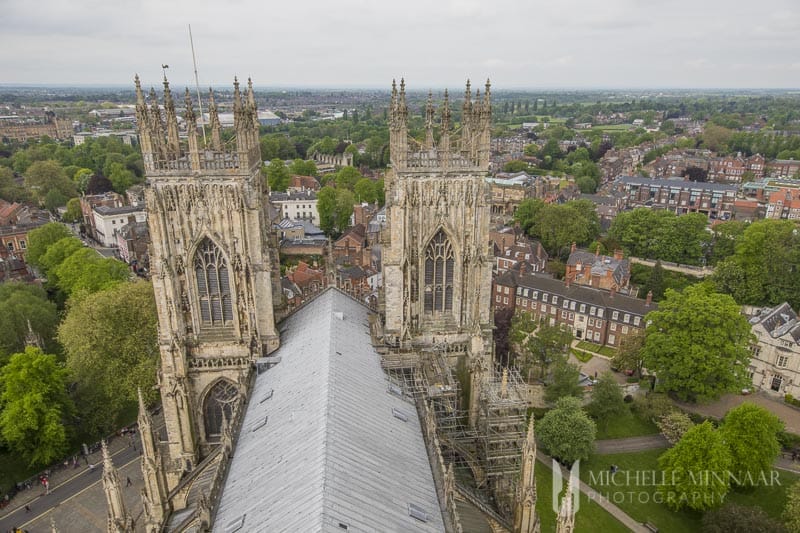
(436, 260)
(212, 266)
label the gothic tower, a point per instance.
(212, 262)
(436, 259)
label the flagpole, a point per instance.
(197, 86)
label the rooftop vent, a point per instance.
(339, 315)
(394, 389)
(260, 424)
(267, 396)
(397, 413)
(343, 526)
(417, 512)
(235, 525)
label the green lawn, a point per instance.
(638, 500)
(596, 348)
(628, 424)
(590, 518)
(581, 355)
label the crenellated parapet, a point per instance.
(166, 151)
(466, 147)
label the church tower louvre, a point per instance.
(213, 262)
(437, 261)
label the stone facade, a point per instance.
(213, 264)
(775, 361)
(437, 264)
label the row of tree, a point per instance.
(77, 378)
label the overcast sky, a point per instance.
(433, 43)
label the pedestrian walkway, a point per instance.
(630, 444)
(718, 409)
(598, 498)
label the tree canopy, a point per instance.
(701, 451)
(557, 226)
(765, 267)
(110, 341)
(566, 432)
(697, 344)
(607, 399)
(661, 234)
(751, 433)
(334, 207)
(41, 238)
(22, 304)
(34, 406)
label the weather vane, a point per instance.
(164, 69)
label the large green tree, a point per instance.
(110, 340)
(765, 267)
(697, 344)
(660, 234)
(45, 176)
(546, 345)
(34, 406)
(303, 168)
(751, 433)
(85, 271)
(566, 432)
(277, 175)
(41, 238)
(564, 381)
(558, 226)
(22, 304)
(607, 399)
(791, 512)
(334, 207)
(695, 470)
(734, 518)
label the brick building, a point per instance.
(602, 317)
(714, 200)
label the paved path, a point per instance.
(66, 488)
(718, 409)
(630, 444)
(595, 496)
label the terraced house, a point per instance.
(602, 317)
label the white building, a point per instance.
(301, 205)
(109, 220)
(775, 361)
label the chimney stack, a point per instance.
(649, 299)
(574, 246)
(613, 291)
(618, 254)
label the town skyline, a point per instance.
(576, 45)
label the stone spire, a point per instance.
(484, 139)
(251, 107)
(466, 122)
(191, 130)
(119, 521)
(213, 118)
(32, 338)
(156, 126)
(565, 523)
(430, 114)
(155, 489)
(143, 121)
(444, 137)
(173, 140)
(525, 518)
(398, 131)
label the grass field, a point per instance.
(639, 499)
(581, 355)
(628, 424)
(590, 517)
(596, 348)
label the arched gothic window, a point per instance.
(439, 265)
(213, 285)
(221, 398)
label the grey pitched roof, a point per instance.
(331, 451)
(576, 292)
(677, 182)
(779, 321)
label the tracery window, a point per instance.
(213, 285)
(439, 266)
(221, 398)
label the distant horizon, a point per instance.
(387, 87)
